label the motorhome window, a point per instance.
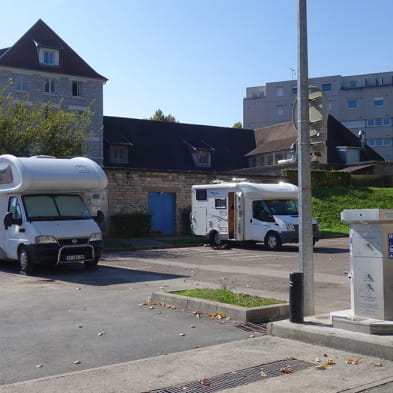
(5, 174)
(201, 195)
(220, 203)
(14, 208)
(282, 207)
(260, 213)
(55, 207)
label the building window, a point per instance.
(280, 91)
(380, 142)
(326, 87)
(379, 82)
(77, 88)
(269, 159)
(352, 104)
(379, 102)
(294, 90)
(21, 83)
(119, 154)
(353, 84)
(203, 158)
(280, 110)
(49, 56)
(50, 86)
(379, 122)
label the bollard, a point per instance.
(296, 297)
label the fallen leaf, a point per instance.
(182, 334)
(101, 333)
(353, 361)
(325, 355)
(39, 366)
(165, 353)
(329, 362)
(77, 362)
(192, 326)
(321, 367)
(151, 307)
(195, 346)
(376, 364)
(286, 370)
(290, 358)
(263, 374)
(317, 360)
(252, 335)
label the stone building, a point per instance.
(42, 67)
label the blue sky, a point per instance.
(195, 58)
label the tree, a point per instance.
(159, 116)
(238, 125)
(35, 129)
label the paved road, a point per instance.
(55, 318)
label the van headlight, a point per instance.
(290, 228)
(95, 237)
(45, 239)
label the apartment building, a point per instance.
(42, 67)
(359, 102)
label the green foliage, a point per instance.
(131, 225)
(33, 129)
(321, 179)
(229, 297)
(159, 116)
(328, 203)
(238, 125)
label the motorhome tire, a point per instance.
(25, 264)
(272, 241)
(214, 238)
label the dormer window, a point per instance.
(203, 158)
(119, 154)
(49, 57)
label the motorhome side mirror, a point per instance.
(8, 220)
(100, 217)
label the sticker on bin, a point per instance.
(390, 242)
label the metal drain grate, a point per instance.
(257, 328)
(237, 378)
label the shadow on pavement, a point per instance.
(101, 276)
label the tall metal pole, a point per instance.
(304, 164)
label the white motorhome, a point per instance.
(245, 211)
(45, 217)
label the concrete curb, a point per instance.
(318, 334)
(254, 314)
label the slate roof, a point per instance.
(280, 137)
(23, 54)
(168, 146)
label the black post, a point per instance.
(296, 297)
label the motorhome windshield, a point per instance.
(55, 207)
(282, 207)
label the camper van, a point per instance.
(245, 211)
(45, 217)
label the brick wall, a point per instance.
(128, 189)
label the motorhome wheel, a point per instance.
(25, 264)
(272, 241)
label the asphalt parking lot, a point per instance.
(69, 319)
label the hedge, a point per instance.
(131, 225)
(320, 178)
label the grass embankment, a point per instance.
(328, 203)
(228, 297)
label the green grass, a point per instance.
(328, 203)
(228, 297)
(116, 243)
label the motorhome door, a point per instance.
(239, 216)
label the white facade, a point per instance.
(360, 102)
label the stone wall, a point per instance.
(128, 189)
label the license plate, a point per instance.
(75, 257)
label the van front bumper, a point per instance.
(52, 254)
(293, 236)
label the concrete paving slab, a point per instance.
(184, 367)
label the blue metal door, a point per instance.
(162, 210)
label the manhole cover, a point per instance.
(257, 328)
(238, 378)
